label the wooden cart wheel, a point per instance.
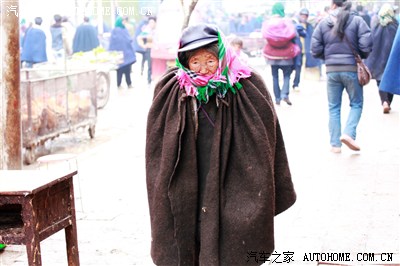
(103, 88)
(92, 131)
(29, 155)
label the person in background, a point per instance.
(332, 41)
(298, 60)
(382, 40)
(390, 81)
(216, 166)
(34, 45)
(138, 48)
(237, 47)
(121, 40)
(22, 30)
(306, 58)
(144, 39)
(364, 14)
(59, 40)
(286, 65)
(69, 33)
(85, 38)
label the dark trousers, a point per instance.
(297, 72)
(385, 96)
(146, 56)
(284, 93)
(125, 70)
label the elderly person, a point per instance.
(216, 166)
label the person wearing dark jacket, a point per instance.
(364, 14)
(305, 31)
(333, 40)
(85, 38)
(298, 60)
(383, 34)
(216, 166)
(121, 40)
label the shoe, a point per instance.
(336, 149)
(296, 88)
(130, 87)
(278, 102)
(386, 108)
(120, 87)
(346, 139)
(287, 101)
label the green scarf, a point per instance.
(278, 9)
(119, 23)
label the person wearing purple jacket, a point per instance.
(121, 40)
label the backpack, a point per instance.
(291, 50)
(279, 33)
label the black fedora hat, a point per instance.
(196, 36)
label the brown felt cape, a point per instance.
(248, 180)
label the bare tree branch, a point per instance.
(187, 13)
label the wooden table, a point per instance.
(34, 205)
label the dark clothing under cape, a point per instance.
(248, 182)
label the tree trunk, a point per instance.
(187, 12)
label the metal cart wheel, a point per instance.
(92, 131)
(103, 88)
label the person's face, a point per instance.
(203, 62)
(303, 18)
(152, 24)
(236, 47)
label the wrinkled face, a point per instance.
(203, 62)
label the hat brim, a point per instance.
(197, 44)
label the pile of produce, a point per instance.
(98, 56)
